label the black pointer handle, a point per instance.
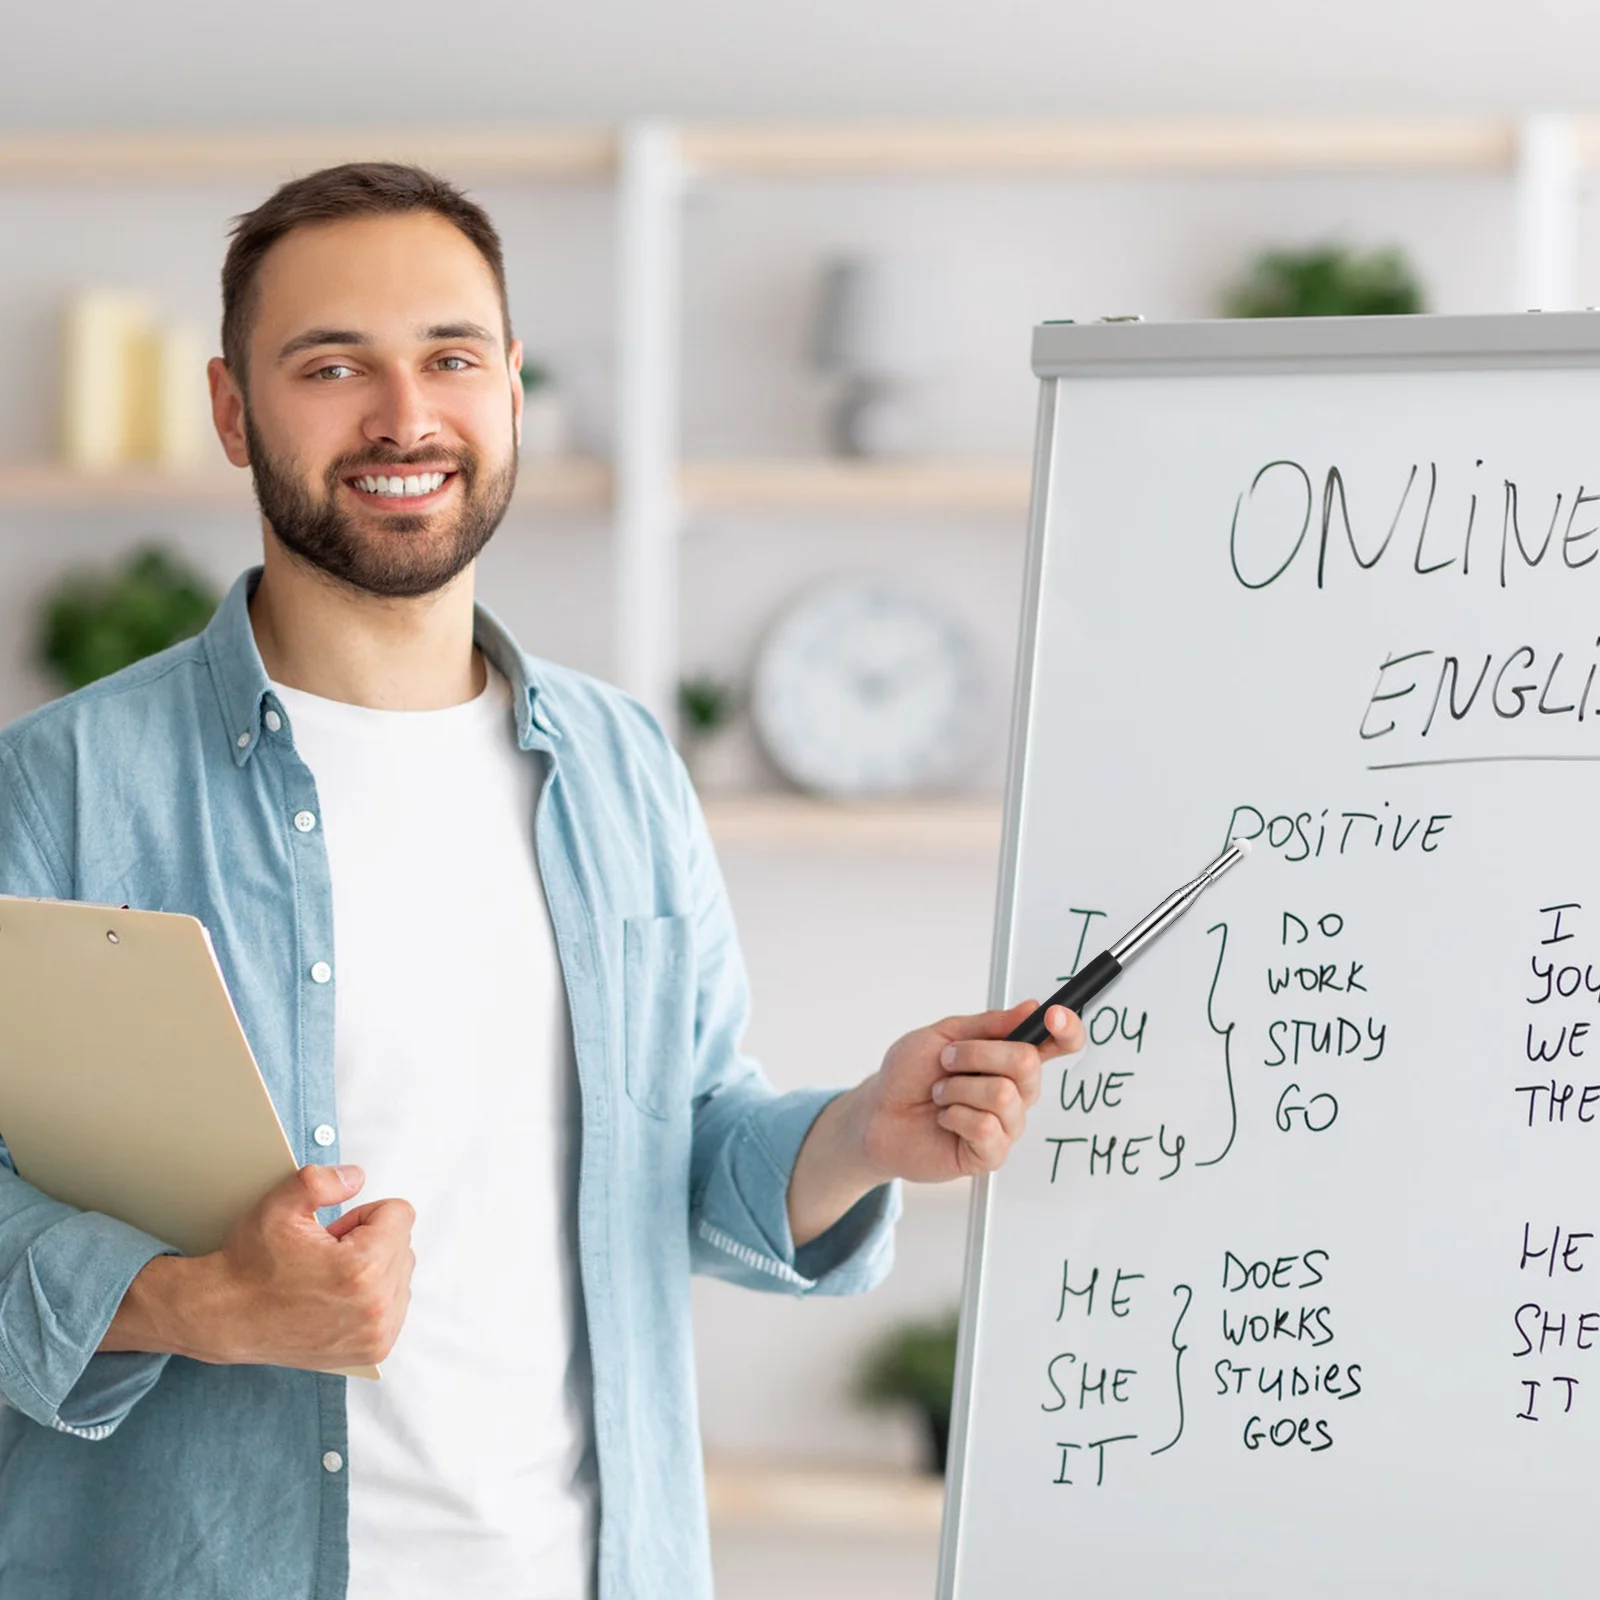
(1074, 994)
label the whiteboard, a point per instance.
(1293, 1285)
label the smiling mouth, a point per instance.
(399, 487)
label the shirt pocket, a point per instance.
(658, 1002)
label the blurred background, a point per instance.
(776, 271)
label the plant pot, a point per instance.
(715, 760)
(546, 424)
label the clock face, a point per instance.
(866, 688)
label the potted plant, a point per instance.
(706, 706)
(915, 1364)
(1326, 280)
(98, 622)
(546, 425)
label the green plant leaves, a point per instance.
(98, 622)
(1327, 281)
(915, 1362)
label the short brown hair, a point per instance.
(356, 189)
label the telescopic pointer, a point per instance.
(1083, 986)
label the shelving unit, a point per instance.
(946, 825)
(822, 1499)
(854, 485)
(652, 165)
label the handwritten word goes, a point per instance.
(1311, 1432)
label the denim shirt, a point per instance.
(172, 786)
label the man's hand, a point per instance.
(283, 1291)
(949, 1102)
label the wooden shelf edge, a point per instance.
(955, 825)
(1107, 146)
(824, 484)
(805, 484)
(821, 1498)
(840, 149)
(554, 485)
(569, 154)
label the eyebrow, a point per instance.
(319, 338)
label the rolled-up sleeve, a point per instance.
(63, 1272)
(747, 1137)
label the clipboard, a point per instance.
(127, 1085)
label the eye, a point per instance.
(332, 372)
(455, 363)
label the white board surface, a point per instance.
(1332, 1364)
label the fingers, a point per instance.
(1019, 1062)
(312, 1188)
(356, 1217)
(388, 1223)
(1001, 1098)
(982, 1133)
(1066, 1031)
(985, 1024)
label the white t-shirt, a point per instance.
(471, 1465)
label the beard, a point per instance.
(408, 555)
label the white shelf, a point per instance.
(800, 484)
(590, 154)
(823, 1499)
(955, 826)
(1459, 144)
(840, 485)
(551, 154)
(553, 485)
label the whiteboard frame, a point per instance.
(1065, 350)
(1315, 344)
(999, 965)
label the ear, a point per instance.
(227, 411)
(514, 366)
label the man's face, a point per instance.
(382, 402)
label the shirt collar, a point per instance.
(243, 688)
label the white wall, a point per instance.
(104, 63)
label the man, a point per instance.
(528, 1025)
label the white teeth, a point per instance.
(421, 483)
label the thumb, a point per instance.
(987, 1024)
(313, 1187)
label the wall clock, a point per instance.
(865, 687)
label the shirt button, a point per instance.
(273, 721)
(324, 1135)
(305, 821)
(243, 741)
(321, 972)
(332, 1461)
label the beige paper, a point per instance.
(127, 1085)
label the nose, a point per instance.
(401, 416)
